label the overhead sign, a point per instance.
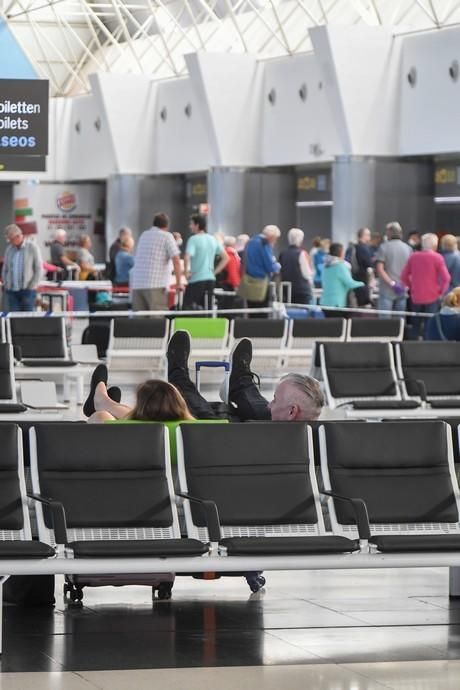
(22, 163)
(24, 117)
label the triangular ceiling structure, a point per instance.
(66, 40)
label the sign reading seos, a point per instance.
(24, 117)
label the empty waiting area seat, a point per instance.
(115, 485)
(39, 338)
(375, 330)
(15, 532)
(405, 474)
(137, 344)
(8, 397)
(269, 340)
(362, 374)
(209, 338)
(261, 478)
(302, 352)
(431, 370)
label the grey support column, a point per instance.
(244, 200)
(353, 195)
(122, 208)
(371, 192)
(133, 200)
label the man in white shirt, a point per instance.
(151, 273)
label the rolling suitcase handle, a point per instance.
(211, 365)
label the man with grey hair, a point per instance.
(296, 397)
(390, 260)
(58, 251)
(22, 271)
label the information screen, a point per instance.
(24, 117)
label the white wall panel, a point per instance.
(294, 131)
(430, 113)
(181, 143)
(128, 103)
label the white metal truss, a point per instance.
(66, 40)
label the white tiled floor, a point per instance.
(424, 675)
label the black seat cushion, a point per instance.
(12, 408)
(145, 548)
(375, 328)
(424, 542)
(385, 404)
(44, 362)
(25, 549)
(287, 546)
(450, 403)
(139, 328)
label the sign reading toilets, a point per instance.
(40, 209)
(24, 117)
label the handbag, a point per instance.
(253, 289)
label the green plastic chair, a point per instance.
(205, 334)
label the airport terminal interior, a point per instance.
(230, 344)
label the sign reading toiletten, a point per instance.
(24, 117)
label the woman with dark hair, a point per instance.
(156, 401)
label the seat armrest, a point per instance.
(57, 516)
(360, 511)
(211, 515)
(419, 383)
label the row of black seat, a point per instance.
(102, 483)
(396, 374)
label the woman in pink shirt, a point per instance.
(427, 277)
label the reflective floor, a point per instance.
(344, 630)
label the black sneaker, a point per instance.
(240, 373)
(99, 374)
(114, 393)
(178, 351)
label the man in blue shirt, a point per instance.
(199, 263)
(259, 260)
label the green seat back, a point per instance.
(201, 327)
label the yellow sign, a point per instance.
(445, 176)
(306, 183)
(199, 189)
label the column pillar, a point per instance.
(244, 200)
(353, 185)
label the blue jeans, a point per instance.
(391, 304)
(419, 324)
(20, 300)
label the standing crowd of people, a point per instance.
(416, 273)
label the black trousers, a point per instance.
(250, 404)
(195, 294)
